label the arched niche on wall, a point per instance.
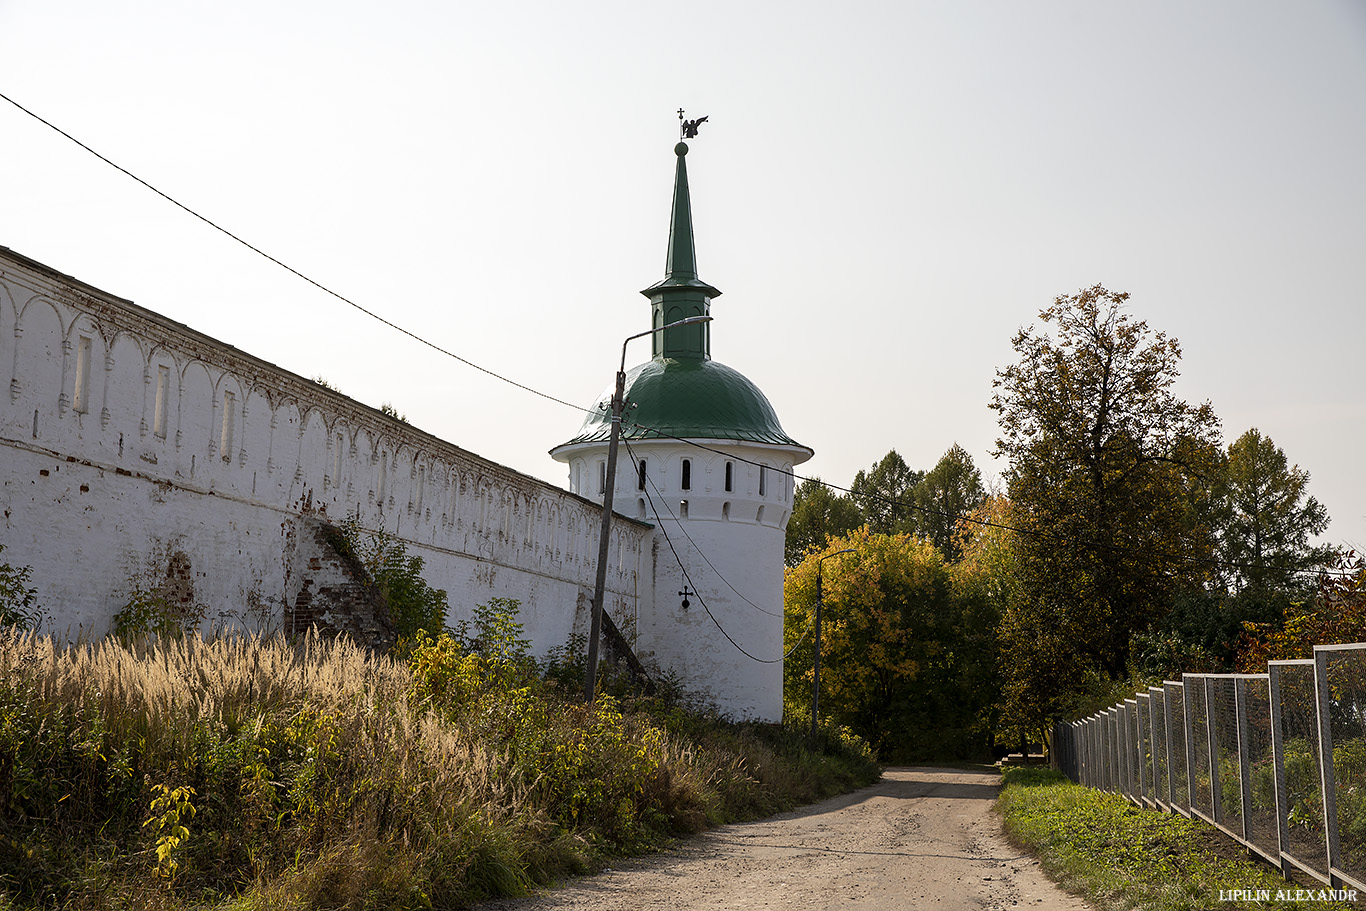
(38, 370)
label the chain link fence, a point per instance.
(1275, 760)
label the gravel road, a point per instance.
(919, 838)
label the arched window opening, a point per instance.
(683, 509)
(725, 511)
(640, 480)
(730, 476)
(763, 480)
(687, 474)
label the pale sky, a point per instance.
(884, 192)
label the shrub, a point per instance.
(18, 601)
(415, 608)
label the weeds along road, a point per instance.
(919, 838)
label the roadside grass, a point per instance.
(261, 774)
(1121, 858)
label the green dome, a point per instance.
(688, 398)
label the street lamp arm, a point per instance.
(688, 321)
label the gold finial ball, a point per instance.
(681, 149)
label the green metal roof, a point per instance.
(693, 399)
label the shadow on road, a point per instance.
(914, 783)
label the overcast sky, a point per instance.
(883, 192)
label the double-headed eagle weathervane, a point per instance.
(687, 129)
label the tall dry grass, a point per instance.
(314, 774)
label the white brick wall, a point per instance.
(97, 498)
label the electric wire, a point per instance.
(288, 268)
(630, 452)
(559, 401)
(969, 518)
(700, 600)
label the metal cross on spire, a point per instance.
(687, 129)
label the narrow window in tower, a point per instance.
(730, 476)
(687, 474)
(640, 507)
(640, 481)
(159, 407)
(683, 509)
(602, 478)
(225, 435)
(383, 476)
(763, 480)
(81, 399)
(725, 511)
(336, 461)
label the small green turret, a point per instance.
(681, 294)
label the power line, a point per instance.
(967, 517)
(545, 395)
(288, 268)
(631, 453)
(700, 600)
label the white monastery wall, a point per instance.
(137, 453)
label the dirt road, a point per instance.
(920, 838)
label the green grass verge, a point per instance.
(1120, 858)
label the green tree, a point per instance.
(18, 599)
(884, 495)
(1108, 482)
(817, 514)
(1265, 517)
(949, 491)
(898, 664)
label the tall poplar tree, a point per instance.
(1107, 480)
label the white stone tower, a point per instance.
(705, 460)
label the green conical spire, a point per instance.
(681, 293)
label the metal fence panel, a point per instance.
(1259, 811)
(1157, 702)
(1144, 739)
(1344, 671)
(1131, 750)
(1228, 798)
(1301, 807)
(1176, 736)
(1112, 730)
(1202, 795)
